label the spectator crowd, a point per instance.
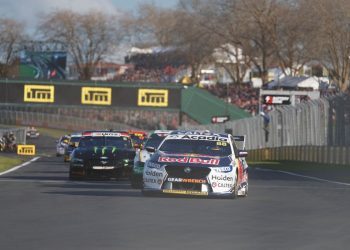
(243, 96)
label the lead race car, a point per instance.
(197, 163)
(102, 154)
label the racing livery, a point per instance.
(62, 144)
(102, 154)
(138, 138)
(72, 144)
(197, 163)
(143, 155)
(32, 132)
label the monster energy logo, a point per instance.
(104, 150)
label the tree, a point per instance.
(293, 37)
(89, 38)
(246, 25)
(332, 42)
(11, 38)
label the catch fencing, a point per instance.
(323, 122)
(56, 121)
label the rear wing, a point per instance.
(240, 141)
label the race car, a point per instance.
(102, 154)
(197, 163)
(32, 132)
(143, 155)
(138, 138)
(72, 144)
(62, 144)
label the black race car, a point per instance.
(102, 154)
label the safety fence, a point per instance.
(56, 121)
(323, 122)
(146, 119)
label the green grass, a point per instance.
(8, 162)
(55, 133)
(51, 132)
(334, 172)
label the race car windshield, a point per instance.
(118, 142)
(202, 147)
(154, 141)
(136, 139)
(75, 139)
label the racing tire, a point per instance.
(235, 191)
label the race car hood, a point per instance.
(190, 160)
(110, 152)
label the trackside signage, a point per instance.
(39, 93)
(26, 149)
(152, 97)
(96, 96)
(276, 100)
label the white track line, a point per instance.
(304, 176)
(19, 166)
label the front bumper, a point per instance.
(183, 193)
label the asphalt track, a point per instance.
(41, 209)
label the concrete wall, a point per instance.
(315, 154)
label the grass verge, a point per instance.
(8, 162)
(55, 133)
(331, 172)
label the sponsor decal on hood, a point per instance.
(190, 160)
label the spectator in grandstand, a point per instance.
(243, 96)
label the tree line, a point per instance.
(253, 33)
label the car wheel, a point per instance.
(236, 186)
(72, 177)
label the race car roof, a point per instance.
(198, 132)
(197, 135)
(76, 135)
(105, 133)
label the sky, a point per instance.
(28, 10)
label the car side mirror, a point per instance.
(242, 154)
(151, 149)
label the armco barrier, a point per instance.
(315, 154)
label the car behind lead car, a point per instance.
(197, 163)
(102, 154)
